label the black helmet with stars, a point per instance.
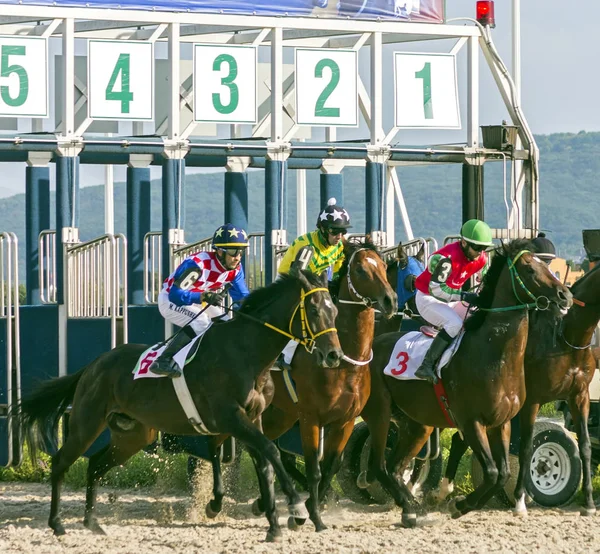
(333, 216)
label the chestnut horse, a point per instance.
(333, 398)
(484, 381)
(556, 368)
(228, 380)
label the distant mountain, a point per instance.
(569, 169)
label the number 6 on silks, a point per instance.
(121, 80)
(326, 87)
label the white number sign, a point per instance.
(23, 76)
(120, 80)
(426, 91)
(225, 83)
(326, 87)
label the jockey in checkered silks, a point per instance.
(200, 284)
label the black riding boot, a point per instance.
(427, 368)
(164, 364)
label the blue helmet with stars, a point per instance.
(230, 236)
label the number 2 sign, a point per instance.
(326, 87)
(120, 80)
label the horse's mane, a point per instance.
(350, 247)
(490, 280)
(577, 285)
(259, 299)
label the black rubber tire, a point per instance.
(356, 456)
(554, 447)
(557, 453)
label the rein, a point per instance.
(514, 276)
(308, 337)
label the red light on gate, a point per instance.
(485, 13)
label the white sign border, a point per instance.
(152, 77)
(356, 116)
(36, 116)
(220, 121)
(444, 54)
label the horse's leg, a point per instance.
(499, 439)
(310, 435)
(122, 446)
(527, 420)
(475, 434)
(289, 463)
(579, 405)
(457, 451)
(337, 438)
(264, 473)
(215, 505)
(76, 443)
(242, 428)
(377, 413)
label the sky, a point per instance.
(560, 80)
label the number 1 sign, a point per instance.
(120, 80)
(426, 91)
(326, 87)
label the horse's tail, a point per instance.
(41, 410)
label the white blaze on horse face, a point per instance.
(328, 304)
(372, 261)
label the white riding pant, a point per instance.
(182, 315)
(449, 315)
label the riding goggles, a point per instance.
(477, 247)
(336, 231)
(233, 252)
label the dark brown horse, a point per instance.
(334, 398)
(557, 367)
(227, 381)
(484, 381)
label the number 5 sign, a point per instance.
(120, 80)
(426, 91)
(326, 87)
(23, 77)
(225, 83)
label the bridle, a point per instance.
(362, 300)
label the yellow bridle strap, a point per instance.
(305, 341)
(511, 265)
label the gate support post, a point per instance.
(275, 207)
(375, 172)
(332, 183)
(472, 188)
(37, 219)
(236, 192)
(138, 224)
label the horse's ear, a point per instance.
(400, 251)
(421, 254)
(302, 260)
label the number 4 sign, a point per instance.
(120, 80)
(426, 91)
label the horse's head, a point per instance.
(317, 317)
(586, 291)
(367, 279)
(532, 282)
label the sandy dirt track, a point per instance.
(144, 523)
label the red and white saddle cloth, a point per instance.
(183, 357)
(409, 352)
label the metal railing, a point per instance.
(9, 310)
(47, 275)
(152, 266)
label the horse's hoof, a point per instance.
(518, 512)
(210, 513)
(58, 529)
(588, 512)
(256, 508)
(298, 510)
(409, 520)
(94, 527)
(362, 482)
(454, 511)
(292, 524)
(320, 527)
(273, 535)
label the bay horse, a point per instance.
(484, 381)
(557, 367)
(333, 398)
(226, 379)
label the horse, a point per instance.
(228, 380)
(556, 368)
(484, 381)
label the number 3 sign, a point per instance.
(120, 80)
(326, 87)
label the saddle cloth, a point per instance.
(409, 352)
(183, 357)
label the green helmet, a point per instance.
(476, 231)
